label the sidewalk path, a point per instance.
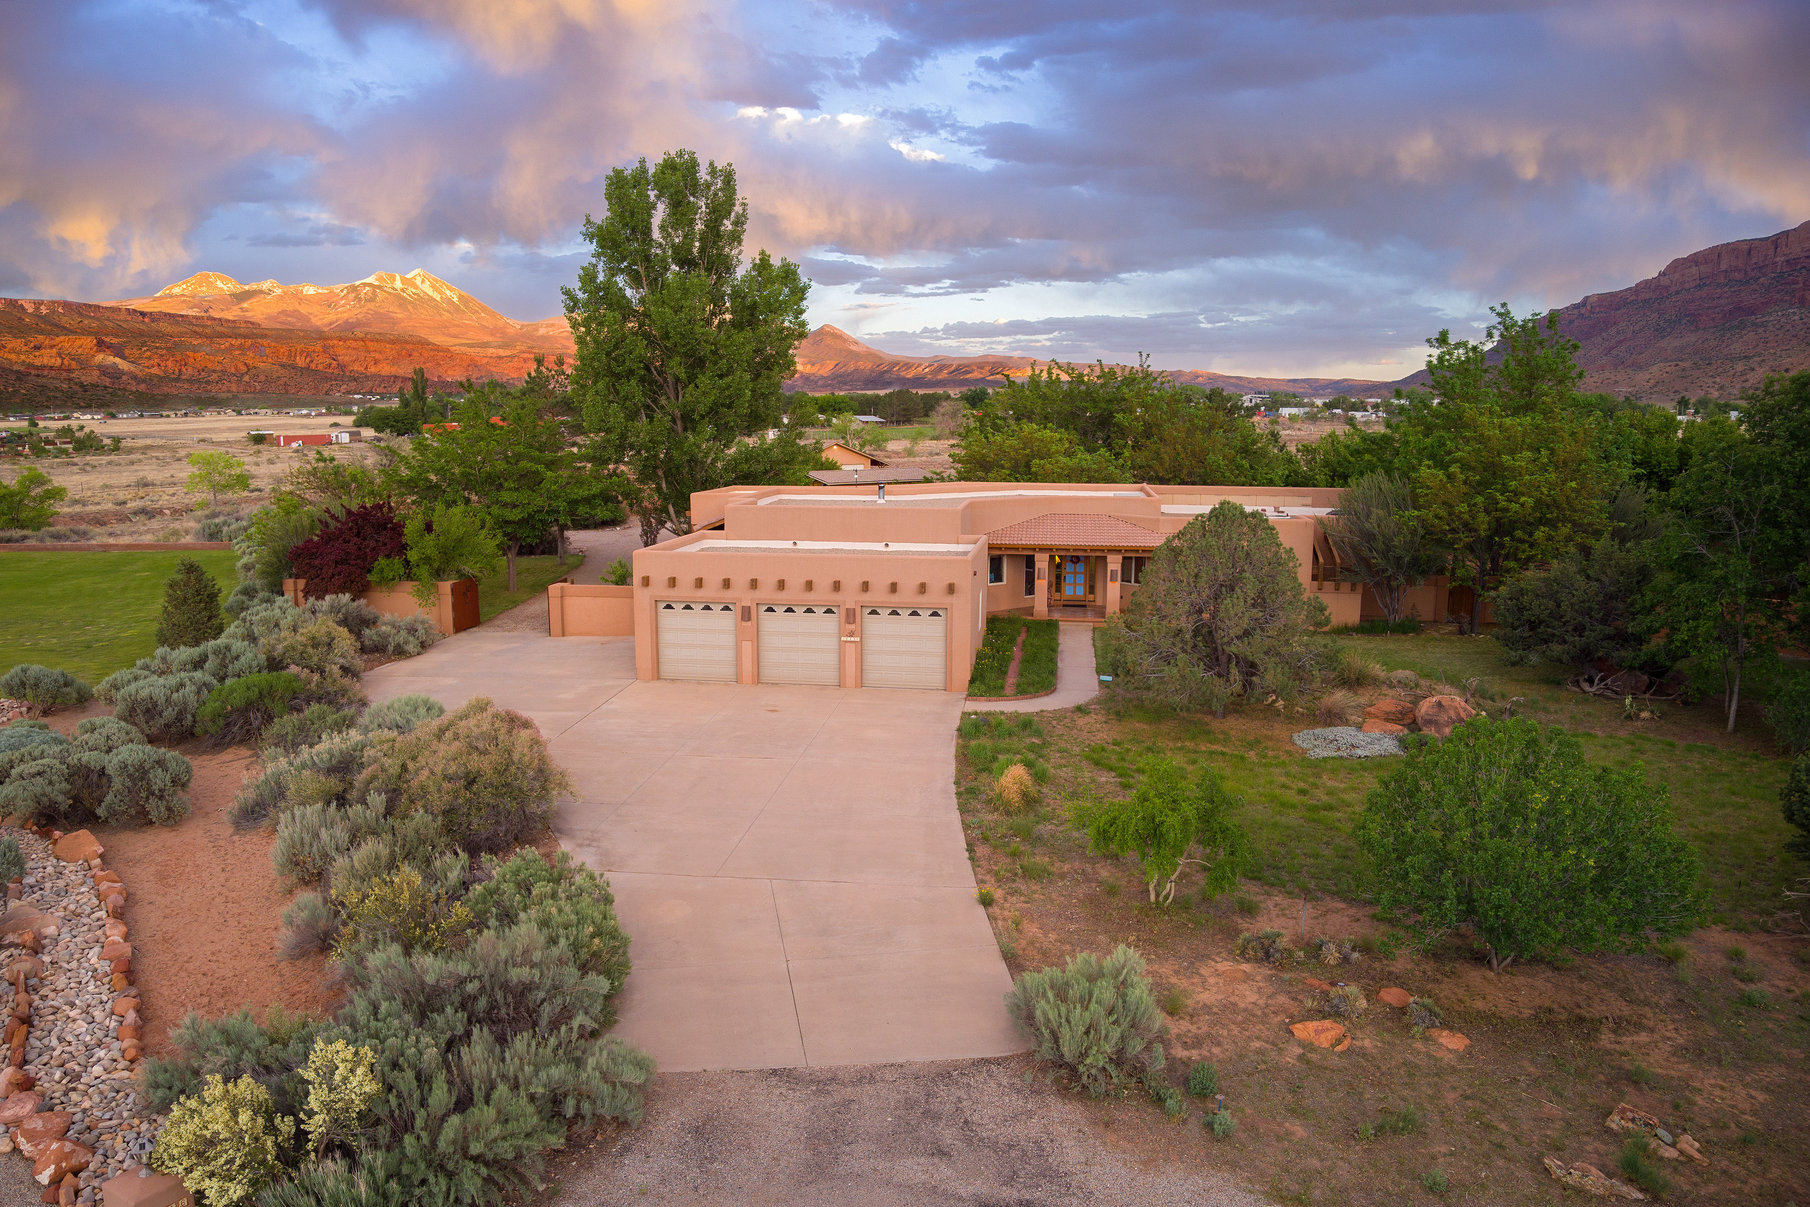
(1077, 681)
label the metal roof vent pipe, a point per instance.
(882, 492)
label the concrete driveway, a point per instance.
(788, 861)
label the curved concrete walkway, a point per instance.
(1077, 681)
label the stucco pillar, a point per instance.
(1040, 602)
(1115, 569)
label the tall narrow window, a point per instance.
(996, 568)
(1030, 574)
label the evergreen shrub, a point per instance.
(569, 903)
(191, 607)
(399, 636)
(1096, 1018)
(401, 715)
(163, 707)
(292, 731)
(227, 1144)
(236, 713)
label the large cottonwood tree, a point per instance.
(684, 346)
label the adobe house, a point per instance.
(891, 584)
(848, 457)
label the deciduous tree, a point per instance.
(31, 501)
(217, 473)
(683, 347)
(1170, 823)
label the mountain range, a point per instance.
(1714, 322)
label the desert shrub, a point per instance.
(228, 527)
(1222, 1124)
(350, 613)
(1169, 823)
(43, 688)
(413, 841)
(1340, 707)
(1350, 669)
(1423, 1013)
(1506, 828)
(12, 860)
(1788, 713)
(1203, 1080)
(322, 773)
(1333, 952)
(1346, 1001)
(145, 784)
(342, 1084)
(226, 1144)
(1016, 790)
(289, 733)
(399, 636)
(232, 1047)
(401, 715)
(163, 708)
(321, 646)
(311, 838)
(569, 903)
(1264, 947)
(1794, 801)
(401, 908)
(337, 559)
(244, 596)
(104, 735)
(221, 659)
(1257, 639)
(235, 713)
(1404, 680)
(191, 607)
(372, 1180)
(108, 689)
(309, 925)
(268, 623)
(1169, 1098)
(497, 1038)
(1096, 1018)
(332, 688)
(37, 791)
(482, 772)
(1578, 609)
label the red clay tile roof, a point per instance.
(1060, 530)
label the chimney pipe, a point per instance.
(882, 492)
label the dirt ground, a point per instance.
(205, 907)
(1715, 1044)
(137, 494)
(991, 1132)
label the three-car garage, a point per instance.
(901, 646)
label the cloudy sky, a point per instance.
(1277, 186)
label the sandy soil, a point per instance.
(137, 494)
(205, 907)
(921, 1135)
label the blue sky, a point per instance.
(1282, 186)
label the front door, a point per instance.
(1075, 579)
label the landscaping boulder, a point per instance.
(1374, 726)
(58, 1159)
(1323, 1032)
(23, 920)
(1629, 683)
(19, 1107)
(1394, 996)
(1394, 712)
(78, 846)
(1439, 715)
(37, 1132)
(1591, 1180)
(1450, 1040)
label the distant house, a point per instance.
(848, 457)
(869, 419)
(349, 436)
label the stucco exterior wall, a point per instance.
(590, 610)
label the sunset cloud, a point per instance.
(1234, 186)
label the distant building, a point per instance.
(299, 439)
(869, 419)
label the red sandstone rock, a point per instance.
(122, 1006)
(1394, 712)
(78, 846)
(58, 1159)
(13, 1080)
(1448, 1039)
(20, 1106)
(115, 929)
(130, 1031)
(116, 949)
(1394, 996)
(1439, 715)
(28, 966)
(1383, 727)
(34, 1133)
(1323, 1032)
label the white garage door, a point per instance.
(696, 640)
(905, 647)
(800, 643)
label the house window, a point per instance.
(1030, 574)
(996, 568)
(1134, 569)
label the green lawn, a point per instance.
(89, 613)
(532, 576)
(1300, 812)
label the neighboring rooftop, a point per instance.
(855, 477)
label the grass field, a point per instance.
(89, 613)
(532, 574)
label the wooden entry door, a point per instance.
(1074, 579)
